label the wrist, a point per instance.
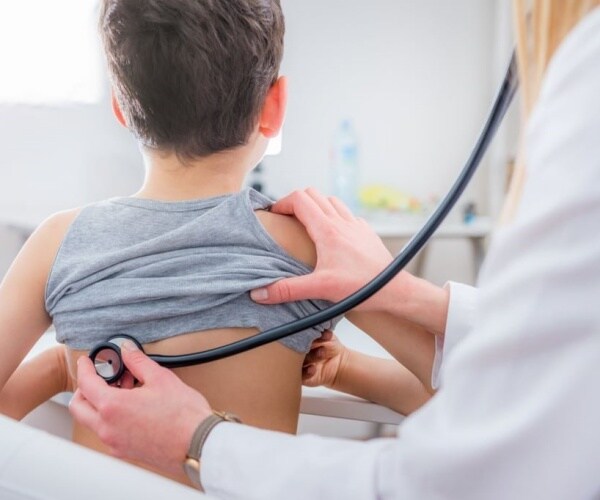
(420, 302)
(341, 376)
(191, 463)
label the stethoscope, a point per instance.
(107, 355)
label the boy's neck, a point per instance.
(169, 179)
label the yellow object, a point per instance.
(387, 198)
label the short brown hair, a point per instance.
(192, 75)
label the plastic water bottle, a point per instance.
(344, 163)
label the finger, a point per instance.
(140, 365)
(326, 339)
(308, 372)
(322, 201)
(305, 209)
(93, 388)
(316, 344)
(341, 208)
(84, 413)
(127, 381)
(288, 290)
(296, 203)
(326, 336)
(324, 352)
(314, 356)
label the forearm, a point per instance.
(417, 301)
(383, 381)
(33, 383)
(410, 344)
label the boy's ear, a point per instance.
(117, 110)
(273, 112)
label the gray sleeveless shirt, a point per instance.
(154, 270)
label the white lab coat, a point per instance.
(518, 412)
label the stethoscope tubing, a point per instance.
(499, 108)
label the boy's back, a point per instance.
(196, 81)
(154, 270)
(262, 386)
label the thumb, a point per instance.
(140, 365)
(288, 290)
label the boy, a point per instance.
(196, 82)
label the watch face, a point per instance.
(192, 463)
(191, 466)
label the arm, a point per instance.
(412, 346)
(402, 391)
(348, 255)
(383, 381)
(23, 317)
(328, 238)
(409, 342)
(35, 382)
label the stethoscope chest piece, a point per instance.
(107, 358)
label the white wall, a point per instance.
(416, 77)
(413, 75)
(56, 158)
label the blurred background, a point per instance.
(387, 96)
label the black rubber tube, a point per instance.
(500, 107)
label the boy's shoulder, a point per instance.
(55, 227)
(47, 238)
(31, 267)
(58, 224)
(290, 234)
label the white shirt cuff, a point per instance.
(461, 313)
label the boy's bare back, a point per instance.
(262, 386)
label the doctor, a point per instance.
(517, 362)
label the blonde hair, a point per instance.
(541, 26)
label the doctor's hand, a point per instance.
(325, 361)
(349, 253)
(152, 423)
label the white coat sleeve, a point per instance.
(518, 409)
(459, 323)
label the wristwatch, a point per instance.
(191, 465)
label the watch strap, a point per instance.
(199, 438)
(201, 433)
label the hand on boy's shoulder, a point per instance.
(291, 235)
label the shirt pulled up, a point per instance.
(155, 270)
